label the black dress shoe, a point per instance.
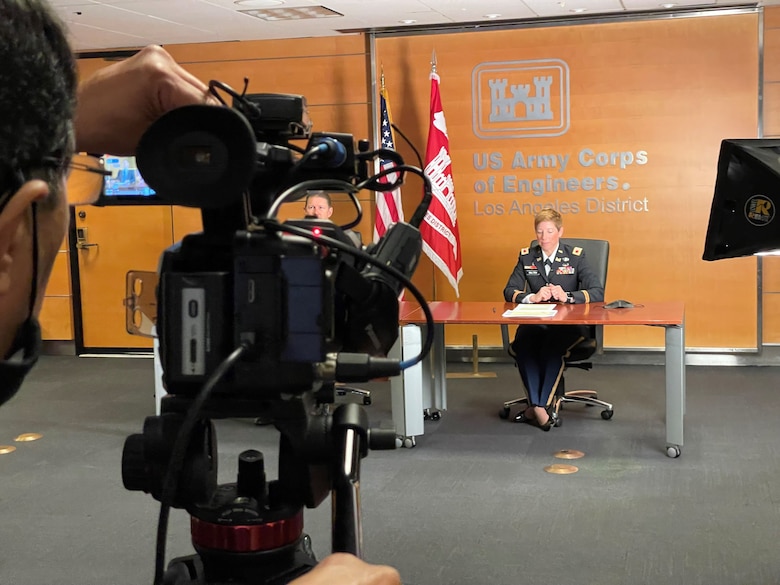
(521, 417)
(548, 425)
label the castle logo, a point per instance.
(520, 99)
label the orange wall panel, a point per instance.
(268, 50)
(670, 88)
(663, 92)
(771, 17)
(770, 311)
(772, 108)
(771, 274)
(771, 48)
(771, 322)
(56, 315)
(56, 319)
(59, 281)
(186, 220)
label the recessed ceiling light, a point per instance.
(492, 16)
(275, 14)
(578, 10)
(668, 5)
(407, 21)
(259, 3)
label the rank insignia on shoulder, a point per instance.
(577, 251)
(524, 251)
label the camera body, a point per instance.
(274, 292)
(295, 302)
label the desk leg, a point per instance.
(439, 368)
(406, 389)
(675, 389)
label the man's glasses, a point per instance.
(85, 179)
(86, 174)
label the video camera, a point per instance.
(262, 318)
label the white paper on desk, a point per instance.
(531, 310)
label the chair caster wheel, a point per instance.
(607, 414)
(557, 421)
(504, 413)
(406, 442)
(367, 401)
(673, 451)
(429, 414)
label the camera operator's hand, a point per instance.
(346, 569)
(117, 104)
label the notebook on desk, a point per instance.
(532, 310)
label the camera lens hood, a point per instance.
(198, 156)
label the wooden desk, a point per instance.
(669, 315)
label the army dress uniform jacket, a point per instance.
(570, 270)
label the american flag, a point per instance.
(388, 204)
(440, 232)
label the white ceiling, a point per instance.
(107, 24)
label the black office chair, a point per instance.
(597, 253)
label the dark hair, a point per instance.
(37, 90)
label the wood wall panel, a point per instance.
(772, 109)
(771, 321)
(59, 281)
(278, 49)
(186, 220)
(771, 48)
(771, 17)
(56, 318)
(771, 274)
(671, 88)
(770, 310)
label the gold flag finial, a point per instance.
(433, 61)
(382, 77)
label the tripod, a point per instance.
(251, 532)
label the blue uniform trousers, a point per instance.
(540, 351)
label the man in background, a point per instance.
(318, 204)
(41, 126)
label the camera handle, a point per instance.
(355, 438)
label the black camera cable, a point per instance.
(178, 453)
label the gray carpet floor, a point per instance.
(471, 504)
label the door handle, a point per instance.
(82, 242)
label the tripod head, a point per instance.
(251, 530)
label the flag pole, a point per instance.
(433, 266)
(382, 77)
